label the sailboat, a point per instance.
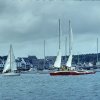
(10, 68)
(44, 71)
(71, 70)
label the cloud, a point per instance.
(26, 23)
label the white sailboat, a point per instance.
(69, 62)
(10, 67)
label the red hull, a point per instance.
(71, 73)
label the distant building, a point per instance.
(3, 60)
(34, 62)
(23, 62)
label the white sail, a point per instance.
(57, 63)
(69, 62)
(13, 62)
(7, 67)
(10, 63)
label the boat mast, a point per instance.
(59, 34)
(97, 50)
(69, 39)
(10, 58)
(44, 55)
(65, 48)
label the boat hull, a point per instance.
(11, 74)
(71, 73)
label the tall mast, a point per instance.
(10, 56)
(59, 34)
(97, 49)
(44, 55)
(65, 47)
(69, 38)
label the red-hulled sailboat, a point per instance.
(71, 73)
(69, 69)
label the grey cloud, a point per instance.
(26, 21)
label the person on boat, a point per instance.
(64, 68)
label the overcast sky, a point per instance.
(26, 23)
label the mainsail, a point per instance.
(10, 63)
(69, 62)
(57, 63)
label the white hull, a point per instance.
(11, 74)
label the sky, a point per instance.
(27, 23)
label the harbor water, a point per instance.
(46, 87)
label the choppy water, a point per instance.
(45, 87)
